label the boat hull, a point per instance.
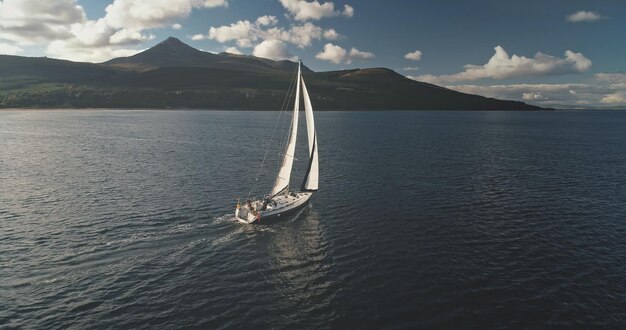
(280, 206)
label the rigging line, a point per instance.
(282, 109)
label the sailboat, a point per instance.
(281, 200)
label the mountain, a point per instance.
(173, 74)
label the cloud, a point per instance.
(141, 14)
(598, 93)
(332, 53)
(357, 54)
(76, 52)
(410, 68)
(197, 37)
(584, 16)
(414, 56)
(503, 66)
(177, 26)
(618, 77)
(273, 50)
(615, 98)
(302, 10)
(266, 20)
(245, 33)
(337, 54)
(532, 96)
(331, 34)
(7, 49)
(30, 21)
(233, 50)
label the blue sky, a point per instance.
(553, 53)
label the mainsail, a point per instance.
(312, 173)
(282, 180)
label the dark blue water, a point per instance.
(122, 219)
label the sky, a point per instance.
(564, 54)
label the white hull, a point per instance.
(277, 207)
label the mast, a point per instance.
(311, 177)
(284, 174)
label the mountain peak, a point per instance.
(171, 41)
(173, 44)
(169, 52)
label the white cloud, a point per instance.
(266, 20)
(128, 36)
(332, 53)
(302, 10)
(233, 50)
(31, 21)
(337, 54)
(357, 54)
(77, 52)
(584, 16)
(598, 93)
(273, 50)
(64, 26)
(8, 49)
(331, 34)
(410, 68)
(141, 14)
(245, 33)
(533, 96)
(300, 35)
(197, 37)
(348, 11)
(503, 66)
(615, 98)
(618, 77)
(177, 26)
(414, 56)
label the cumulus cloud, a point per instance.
(197, 37)
(272, 49)
(532, 96)
(331, 34)
(615, 98)
(503, 66)
(266, 20)
(141, 14)
(7, 49)
(30, 21)
(123, 26)
(177, 26)
(233, 50)
(332, 53)
(584, 16)
(414, 56)
(245, 33)
(77, 52)
(357, 54)
(337, 54)
(302, 10)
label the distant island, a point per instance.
(173, 74)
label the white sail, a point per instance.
(312, 174)
(282, 180)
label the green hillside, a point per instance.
(175, 75)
